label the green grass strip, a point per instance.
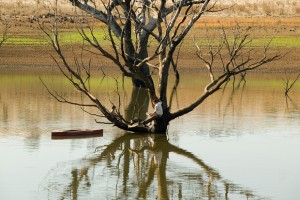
(73, 38)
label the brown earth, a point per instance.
(39, 55)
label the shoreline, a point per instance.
(263, 69)
(37, 55)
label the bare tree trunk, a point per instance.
(138, 104)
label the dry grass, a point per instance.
(237, 7)
(267, 8)
(260, 8)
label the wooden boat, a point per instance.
(77, 133)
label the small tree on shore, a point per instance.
(5, 28)
(130, 25)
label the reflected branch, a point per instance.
(289, 84)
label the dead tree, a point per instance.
(5, 29)
(130, 25)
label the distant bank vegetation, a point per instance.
(236, 7)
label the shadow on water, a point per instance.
(139, 167)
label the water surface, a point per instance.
(243, 143)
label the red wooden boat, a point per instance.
(78, 133)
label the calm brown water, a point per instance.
(241, 144)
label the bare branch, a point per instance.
(61, 99)
(103, 17)
(234, 65)
(94, 43)
(92, 114)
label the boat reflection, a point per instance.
(148, 170)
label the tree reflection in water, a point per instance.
(136, 166)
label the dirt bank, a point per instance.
(38, 55)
